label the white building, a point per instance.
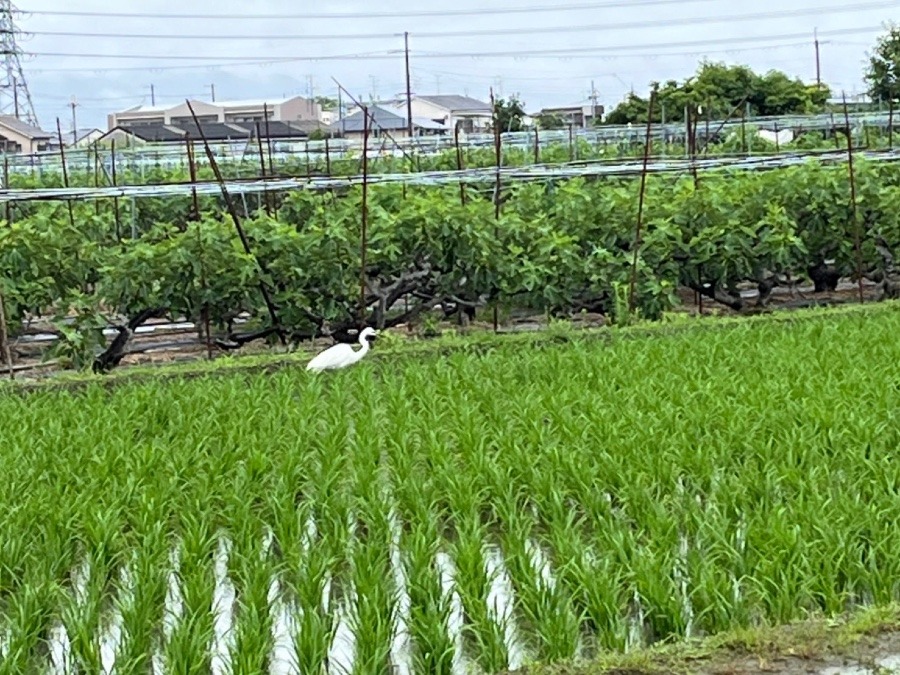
(293, 109)
(450, 110)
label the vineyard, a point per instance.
(471, 509)
(302, 266)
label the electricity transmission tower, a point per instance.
(15, 99)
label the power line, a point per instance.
(492, 32)
(523, 53)
(586, 52)
(343, 16)
(557, 77)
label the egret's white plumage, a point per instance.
(342, 355)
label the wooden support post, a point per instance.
(857, 238)
(637, 230)
(364, 219)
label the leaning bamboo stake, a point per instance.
(232, 211)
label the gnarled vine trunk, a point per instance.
(113, 355)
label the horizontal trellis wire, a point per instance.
(674, 128)
(434, 178)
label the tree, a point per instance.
(327, 102)
(883, 72)
(549, 121)
(724, 90)
(509, 114)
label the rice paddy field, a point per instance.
(460, 510)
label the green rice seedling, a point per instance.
(28, 614)
(486, 635)
(82, 612)
(375, 600)
(250, 561)
(415, 491)
(315, 626)
(429, 620)
(546, 608)
(142, 604)
(141, 595)
(717, 566)
(188, 647)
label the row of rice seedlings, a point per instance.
(188, 648)
(309, 563)
(88, 602)
(28, 613)
(550, 618)
(144, 586)
(484, 628)
(142, 596)
(252, 567)
(376, 595)
(418, 534)
(374, 600)
(434, 649)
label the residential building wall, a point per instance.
(287, 110)
(298, 108)
(469, 121)
(14, 141)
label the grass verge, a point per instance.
(860, 637)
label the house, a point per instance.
(383, 119)
(293, 109)
(579, 116)
(82, 137)
(451, 110)
(20, 137)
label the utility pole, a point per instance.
(310, 90)
(152, 95)
(593, 104)
(818, 62)
(73, 105)
(212, 92)
(409, 120)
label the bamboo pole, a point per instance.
(637, 228)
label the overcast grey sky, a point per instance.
(616, 43)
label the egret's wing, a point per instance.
(332, 357)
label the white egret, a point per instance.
(343, 355)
